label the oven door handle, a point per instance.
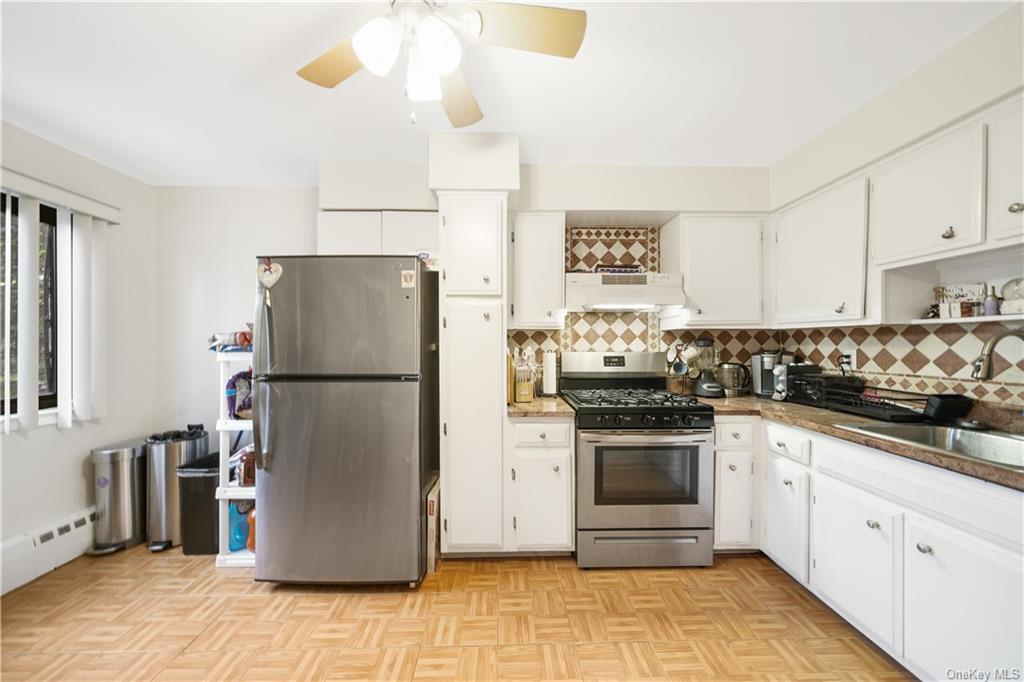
(644, 439)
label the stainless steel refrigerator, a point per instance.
(345, 417)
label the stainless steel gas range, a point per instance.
(645, 464)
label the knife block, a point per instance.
(524, 392)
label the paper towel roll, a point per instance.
(550, 373)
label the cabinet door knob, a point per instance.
(786, 481)
(549, 313)
(1016, 207)
(556, 468)
(487, 279)
(487, 316)
(698, 311)
(732, 467)
(781, 444)
(924, 549)
(873, 525)
(543, 436)
(736, 435)
(841, 308)
(949, 233)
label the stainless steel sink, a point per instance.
(1004, 449)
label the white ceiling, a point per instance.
(206, 94)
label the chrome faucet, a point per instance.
(983, 365)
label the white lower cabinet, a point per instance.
(540, 466)
(855, 550)
(925, 562)
(734, 498)
(473, 416)
(963, 602)
(784, 514)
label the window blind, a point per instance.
(82, 288)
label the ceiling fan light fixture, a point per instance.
(422, 82)
(438, 45)
(377, 44)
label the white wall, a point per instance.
(355, 186)
(46, 472)
(984, 66)
(205, 267)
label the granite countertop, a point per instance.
(549, 406)
(824, 421)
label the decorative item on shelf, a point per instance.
(1013, 297)
(960, 300)
(991, 303)
(230, 342)
(239, 395)
(238, 524)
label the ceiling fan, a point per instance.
(429, 29)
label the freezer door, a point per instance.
(338, 315)
(338, 495)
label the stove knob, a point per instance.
(647, 420)
(618, 419)
(602, 419)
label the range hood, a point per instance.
(622, 291)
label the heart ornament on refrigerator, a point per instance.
(268, 274)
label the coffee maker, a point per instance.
(762, 366)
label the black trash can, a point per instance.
(197, 488)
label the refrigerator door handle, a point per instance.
(261, 416)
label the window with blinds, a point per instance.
(47, 315)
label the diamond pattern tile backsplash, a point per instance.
(589, 247)
(906, 357)
(933, 359)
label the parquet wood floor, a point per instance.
(139, 616)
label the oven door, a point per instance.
(644, 480)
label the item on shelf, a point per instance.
(238, 527)
(247, 466)
(1013, 290)
(238, 393)
(250, 542)
(960, 300)
(1012, 307)
(991, 304)
(231, 342)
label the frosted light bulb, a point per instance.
(438, 45)
(422, 84)
(376, 45)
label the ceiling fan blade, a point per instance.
(534, 28)
(333, 66)
(458, 101)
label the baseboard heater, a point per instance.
(26, 556)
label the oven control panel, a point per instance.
(645, 420)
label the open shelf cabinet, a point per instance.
(228, 429)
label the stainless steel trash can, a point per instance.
(118, 477)
(165, 453)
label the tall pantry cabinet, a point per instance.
(473, 392)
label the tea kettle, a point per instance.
(734, 378)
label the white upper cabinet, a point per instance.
(819, 256)
(1006, 173)
(930, 201)
(348, 233)
(538, 271)
(409, 233)
(720, 259)
(473, 239)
